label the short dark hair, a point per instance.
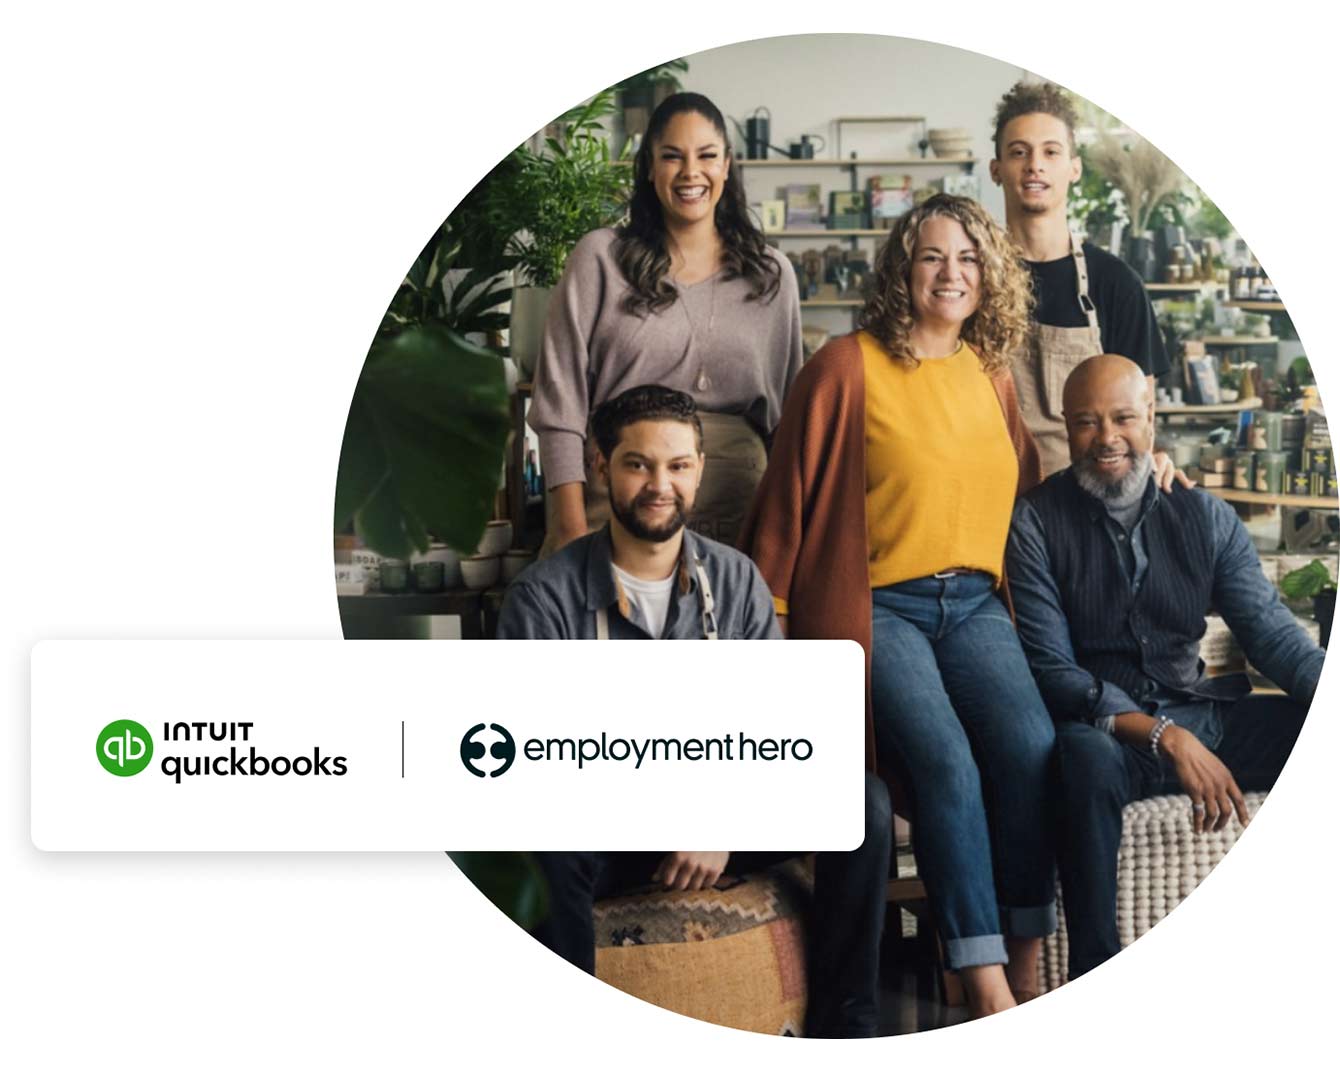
(650, 402)
(1030, 98)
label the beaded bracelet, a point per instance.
(1157, 732)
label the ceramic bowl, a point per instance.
(481, 571)
(497, 538)
(514, 562)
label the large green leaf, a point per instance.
(511, 880)
(423, 448)
(1306, 582)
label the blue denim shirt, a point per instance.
(1250, 605)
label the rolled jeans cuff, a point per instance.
(1036, 922)
(975, 952)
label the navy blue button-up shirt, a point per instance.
(1263, 626)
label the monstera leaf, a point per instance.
(511, 880)
(424, 442)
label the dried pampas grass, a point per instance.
(1145, 177)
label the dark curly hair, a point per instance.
(641, 250)
(1030, 98)
(649, 402)
(1000, 324)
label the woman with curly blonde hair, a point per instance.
(882, 518)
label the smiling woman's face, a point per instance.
(946, 273)
(689, 167)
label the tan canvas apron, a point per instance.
(1040, 373)
(734, 467)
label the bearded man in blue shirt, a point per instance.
(1111, 581)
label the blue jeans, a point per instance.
(958, 715)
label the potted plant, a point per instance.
(1147, 179)
(1313, 582)
(427, 428)
(544, 203)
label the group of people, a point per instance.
(966, 486)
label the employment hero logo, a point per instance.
(586, 752)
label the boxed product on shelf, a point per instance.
(771, 214)
(890, 197)
(960, 185)
(847, 210)
(803, 205)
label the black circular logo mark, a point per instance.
(472, 750)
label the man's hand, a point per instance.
(1165, 472)
(1214, 794)
(690, 870)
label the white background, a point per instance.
(204, 216)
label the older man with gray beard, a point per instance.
(1111, 582)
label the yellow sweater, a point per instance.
(940, 471)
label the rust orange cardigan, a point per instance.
(807, 529)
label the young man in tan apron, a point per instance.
(644, 576)
(1088, 301)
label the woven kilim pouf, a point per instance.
(733, 956)
(1160, 861)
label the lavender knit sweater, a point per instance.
(731, 355)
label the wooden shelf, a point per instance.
(880, 119)
(836, 232)
(1170, 410)
(1179, 288)
(909, 161)
(1240, 340)
(1257, 306)
(1262, 498)
(832, 303)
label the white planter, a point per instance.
(529, 306)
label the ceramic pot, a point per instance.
(497, 538)
(481, 571)
(529, 307)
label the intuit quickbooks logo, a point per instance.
(124, 748)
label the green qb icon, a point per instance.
(124, 748)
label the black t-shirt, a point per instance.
(1125, 317)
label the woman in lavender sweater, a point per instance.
(686, 295)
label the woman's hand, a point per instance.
(1165, 472)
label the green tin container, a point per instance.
(1271, 466)
(1244, 470)
(1320, 460)
(1273, 423)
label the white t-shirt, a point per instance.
(652, 598)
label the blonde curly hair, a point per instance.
(1000, 325)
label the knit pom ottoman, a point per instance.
(1160, 861)
(733, 956)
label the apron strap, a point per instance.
(1082, 286)
(708, 603)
